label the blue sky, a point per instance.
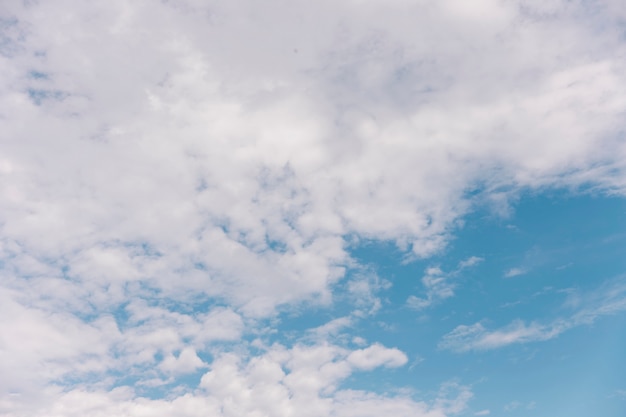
(562, 259)
(331, 208)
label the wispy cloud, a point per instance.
(620, 393)
(607, 300)
(469, 262)
(513, 405)
(332, 328)
(440, 285)
(514, 272)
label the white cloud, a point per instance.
(609, 299)
(469, 262)
(363, 289)
(514, 272)
(187, 361)
(453, 397)
(44, 346)
(359, 341)
(277, 382)
(332, 328)
(305, 378)
(217, 156)
(377, 355)
(247, 400)
(440, 285)
(477, 337)
(482, 413)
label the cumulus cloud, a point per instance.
(187, 361)
(271, 399)
(207, 155)
(279, 382)
(376, 355)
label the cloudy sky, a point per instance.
(349, 208)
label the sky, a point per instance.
(348, 208)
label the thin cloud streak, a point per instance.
(604, 301)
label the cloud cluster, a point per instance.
(185, 142)
(302, 380)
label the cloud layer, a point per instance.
(175, 174)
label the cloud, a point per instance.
(620, 393)
(251, 398)
(482, 413)
(469, 262)
(453, 397)
(363, 289)
(609, 299)
(477, 337)
(174, 174)
(332, 328)
(513, 405)
(440, 285)
(187, 361)
(219, 159)
(304, 378)
(377, 355)
(514, 272)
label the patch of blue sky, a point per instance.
(38, 75)
(10, 35)
(569, 248)
(573, 374)
(39, 96)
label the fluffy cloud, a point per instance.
(186, 362)
(238, 169)
(279, 382)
